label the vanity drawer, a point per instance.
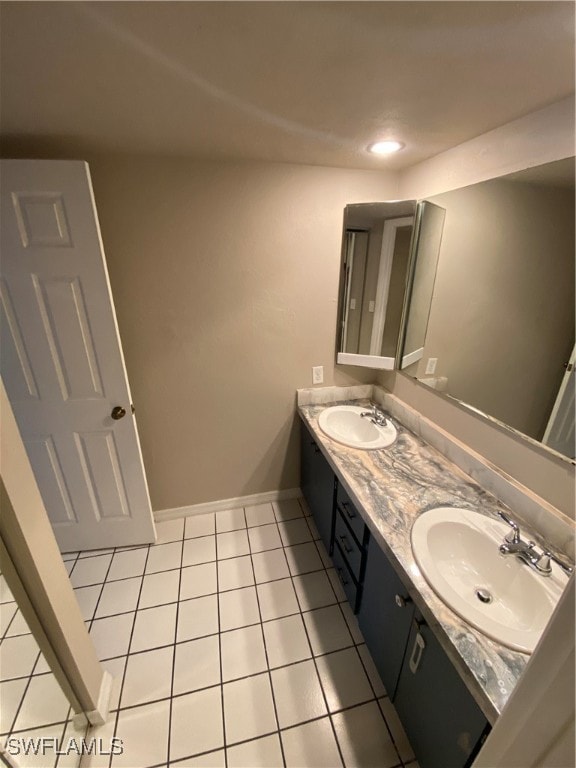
(348, 545)
(350, 513)
(346, 578)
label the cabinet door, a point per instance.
(442, 720)
(317, 482)
(385, 616)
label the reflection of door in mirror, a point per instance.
(394, 262)
(376, 256)
(560, 430)
(355, 314)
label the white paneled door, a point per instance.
(61, 359)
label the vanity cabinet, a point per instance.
(351, 537)
(318, 484)
(385, 616)
(443, 722)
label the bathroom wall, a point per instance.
(225, 279)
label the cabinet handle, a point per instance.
(417, 650)
(401, 601)
(341, 576)
(349, 511)
(345, 544)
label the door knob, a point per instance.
(118, 412)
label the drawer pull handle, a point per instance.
(342, 577)
(345, 544)
(417, 651)
(349, 510)
(401, 601)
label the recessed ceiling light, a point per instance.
(385, 147)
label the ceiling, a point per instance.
(298, 82)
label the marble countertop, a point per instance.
(391, 487)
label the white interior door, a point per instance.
(560, 432)
(62, 362)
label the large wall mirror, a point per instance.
(488, 299)
(500, 330)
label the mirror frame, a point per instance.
(471, 410)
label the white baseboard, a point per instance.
(218, 506)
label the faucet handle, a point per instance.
(514, 536)
(544, 563)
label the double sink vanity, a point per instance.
(450, 595)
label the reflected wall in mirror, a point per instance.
(376, 262)
(501, 323)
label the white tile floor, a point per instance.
(231, 644)
(32, 704)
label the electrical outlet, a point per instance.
(431, 365)
(317, 374)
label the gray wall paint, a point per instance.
(225, 279)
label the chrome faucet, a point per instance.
(524, 550)
(375, 416)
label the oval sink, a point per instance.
(457, 552)
(345, 424)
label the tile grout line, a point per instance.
(315, 663)
(222, 707)
(62, 736)
(25, 691)
(5, 636)
(170, 706)
(388, 728)
(324, 568)
(356, 644)
(196, 755)
(268, 670)
(93, 619)
(236, 679)
(127, 655)
(377, 698)
(209, 594)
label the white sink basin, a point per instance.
(457, 552)
(344, 424)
